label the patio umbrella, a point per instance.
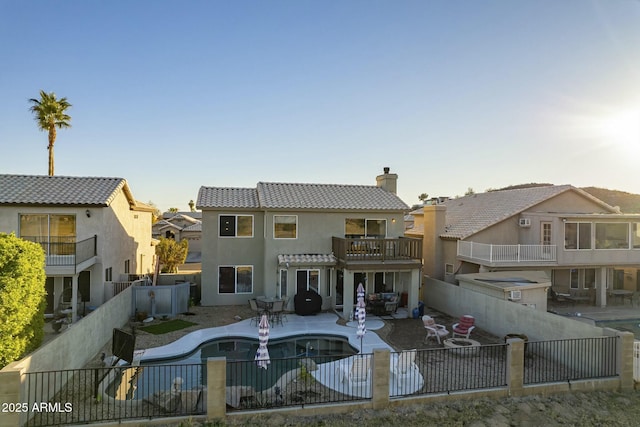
(262, 355)
(361, 314)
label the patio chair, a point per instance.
(276, 312)
(257, 312)
(406, 370)
(433, 329)
(360, 374)
(464, 327)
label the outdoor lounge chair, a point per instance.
(464, 327)
(433, 329)
(359, 377)
(406, 370)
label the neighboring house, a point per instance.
(92, 230)
(279, 238)
(179, 226)
(583, 244)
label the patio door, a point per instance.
(545, 236)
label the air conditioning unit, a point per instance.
(525, 222)
(515, 295)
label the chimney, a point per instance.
(387, 181)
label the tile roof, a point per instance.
(470, 214)
(59, 190)
(214, 197)
(273, 195)
(329, 259)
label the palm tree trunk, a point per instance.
(52, 139)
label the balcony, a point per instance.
(507, 255)
(400, 250)
(65, 251)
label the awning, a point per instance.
(306, 259)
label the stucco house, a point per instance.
(279, 238)
(588, 248)
(179, 226)
(92, 229)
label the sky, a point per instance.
(450, 95)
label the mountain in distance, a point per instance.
(627, 202)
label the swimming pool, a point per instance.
(286, 354)
(626, 325)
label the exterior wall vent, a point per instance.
(515, 295)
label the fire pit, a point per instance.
(465, 346)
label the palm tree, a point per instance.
(50, 114)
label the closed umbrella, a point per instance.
(361, 314)
(262, 355)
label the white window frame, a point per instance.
(235, 268)
(366, 231)
(235, 233)
(309, 270)
(285, 216)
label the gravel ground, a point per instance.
(576, 409)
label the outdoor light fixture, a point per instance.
(88, 212)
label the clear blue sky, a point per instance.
(448, 94)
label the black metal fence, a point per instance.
(134, 392)
(297, 381)
(82, 396)
(444, 370)
(572, 359)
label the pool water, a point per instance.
(627, 325)
(285, 353)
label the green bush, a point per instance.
(22, 297)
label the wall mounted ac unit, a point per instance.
(525, 222)
(515, 295)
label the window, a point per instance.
(236, 226)
(448, 268)
(356, 228)
(577, 235)
(574, 282)
(612, 236)
(126, 267)
(589, 278)
(56, 233)
(108, 274)
(307, 280)
(235, 279)
(285, 226)
(635, 236)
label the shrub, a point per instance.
(22, 297)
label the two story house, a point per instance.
(92, 231)
(179, 226)
(279, 238)
(585, 245)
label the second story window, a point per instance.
(56, 233)
(357, 228)
(577, 235)
(635, 236)
(236, 226)
(285, 226)
(612, 236)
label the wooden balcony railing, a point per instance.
(401, 248)
(65, 251)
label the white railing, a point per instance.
(506, 253)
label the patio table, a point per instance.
(621, 294)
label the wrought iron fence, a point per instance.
(298, 381)
(444, 370)
(570, 359)
(83, 396)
